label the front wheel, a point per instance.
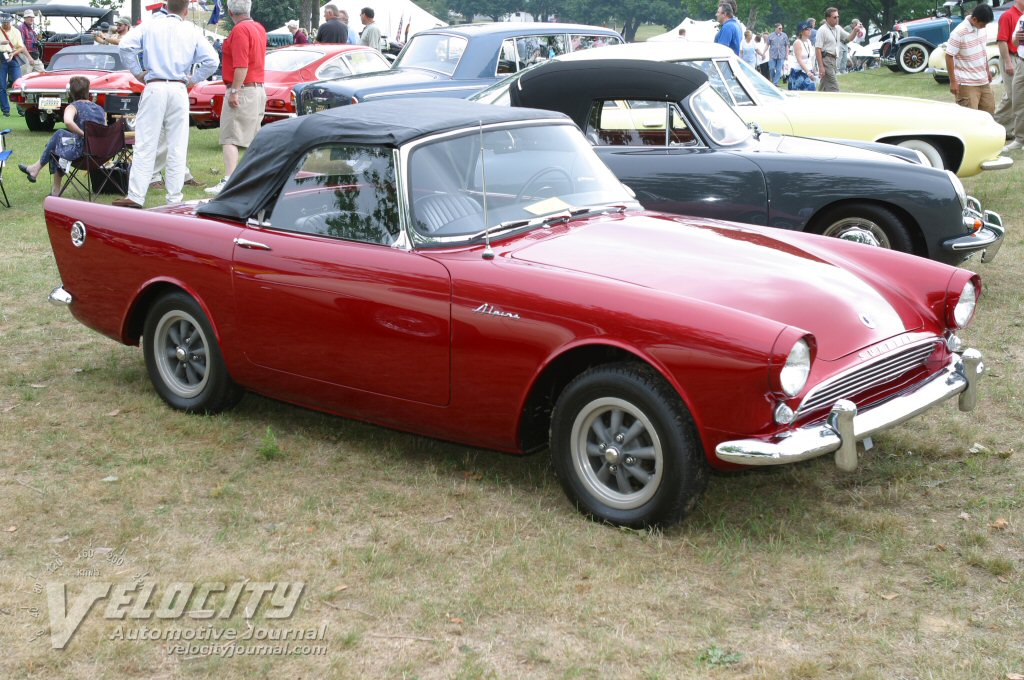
(625, 448)
(930, 151)
(869, 224)
(912, 58)
(183, 358)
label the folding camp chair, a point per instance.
(102, 144)
(4, 155)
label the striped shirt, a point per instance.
(970, 57)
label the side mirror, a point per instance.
(756, 129)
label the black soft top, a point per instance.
(571, 87)
(278, 147)
(57, 10)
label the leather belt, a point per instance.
(252, 84)
(164, 80)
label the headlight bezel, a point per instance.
(958, 188)
(961, 310)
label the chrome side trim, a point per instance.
(60, 297)
(845, 426)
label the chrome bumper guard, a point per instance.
(60, 297)
(998, 163)
(989, 238)
(844, 426)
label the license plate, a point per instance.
(49, 103)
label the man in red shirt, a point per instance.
(245, 101)
(1010, 112)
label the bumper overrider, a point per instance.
(989, 238)
(844, 427)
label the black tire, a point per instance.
(941, 79)
(39, 121)
(183, 358)
(913, 58)
(893, 67)
(619, 485)
(865, 223)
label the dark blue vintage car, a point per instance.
(670, 137)
(456, 62)
(907, 47)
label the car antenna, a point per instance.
(488, 253)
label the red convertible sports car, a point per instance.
(475, 273)
(285, 68)
(43, 96)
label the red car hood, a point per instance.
(734, 267)
(58, 82)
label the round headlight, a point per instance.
(958, 187)
(794, 374)
(964, 310)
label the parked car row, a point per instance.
(560, 264)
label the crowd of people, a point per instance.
(177, 54)
(819, 55)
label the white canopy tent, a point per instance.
(390, 17)
(696, 31)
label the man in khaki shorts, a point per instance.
(245, 101)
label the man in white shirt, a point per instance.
(175, 54)
(370, 35)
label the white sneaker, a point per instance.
(1013, 146)
(219, 186)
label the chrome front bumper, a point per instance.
(844, 426)
(988, 239)
(998, 163)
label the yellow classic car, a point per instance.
(937, 62)
(949, 136)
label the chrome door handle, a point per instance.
(251, 245)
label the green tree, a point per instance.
(628, 14)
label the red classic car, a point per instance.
(475, 273)
(285, 68)
(43, 96)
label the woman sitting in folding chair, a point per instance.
(68, 144)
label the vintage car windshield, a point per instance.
(765, 90)
(434, 52)
(718, 118)
(497, 93)
(287, 61)
(85, 61)
(530, 172)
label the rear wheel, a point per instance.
(995, 69)
(869, 224)
(912, 58)
(625, 448)
(38, 120)
(183, 358)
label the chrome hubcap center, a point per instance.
(180, 354)
(612, 455)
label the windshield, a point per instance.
(530, 172)
(498, 92)
(764, 88)
(434, 52)
(718, 118)
(286, 61)
(367, 61)
(85, 61)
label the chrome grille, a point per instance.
(884, 369)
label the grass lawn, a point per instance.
(426, 559)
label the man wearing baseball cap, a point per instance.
(121, 26)
(28, 33)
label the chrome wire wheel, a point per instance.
(617, 453)
(180, 348)
(859, 230)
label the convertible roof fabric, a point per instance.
(278, 147)
(572, 87)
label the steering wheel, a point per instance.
(543, 172)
